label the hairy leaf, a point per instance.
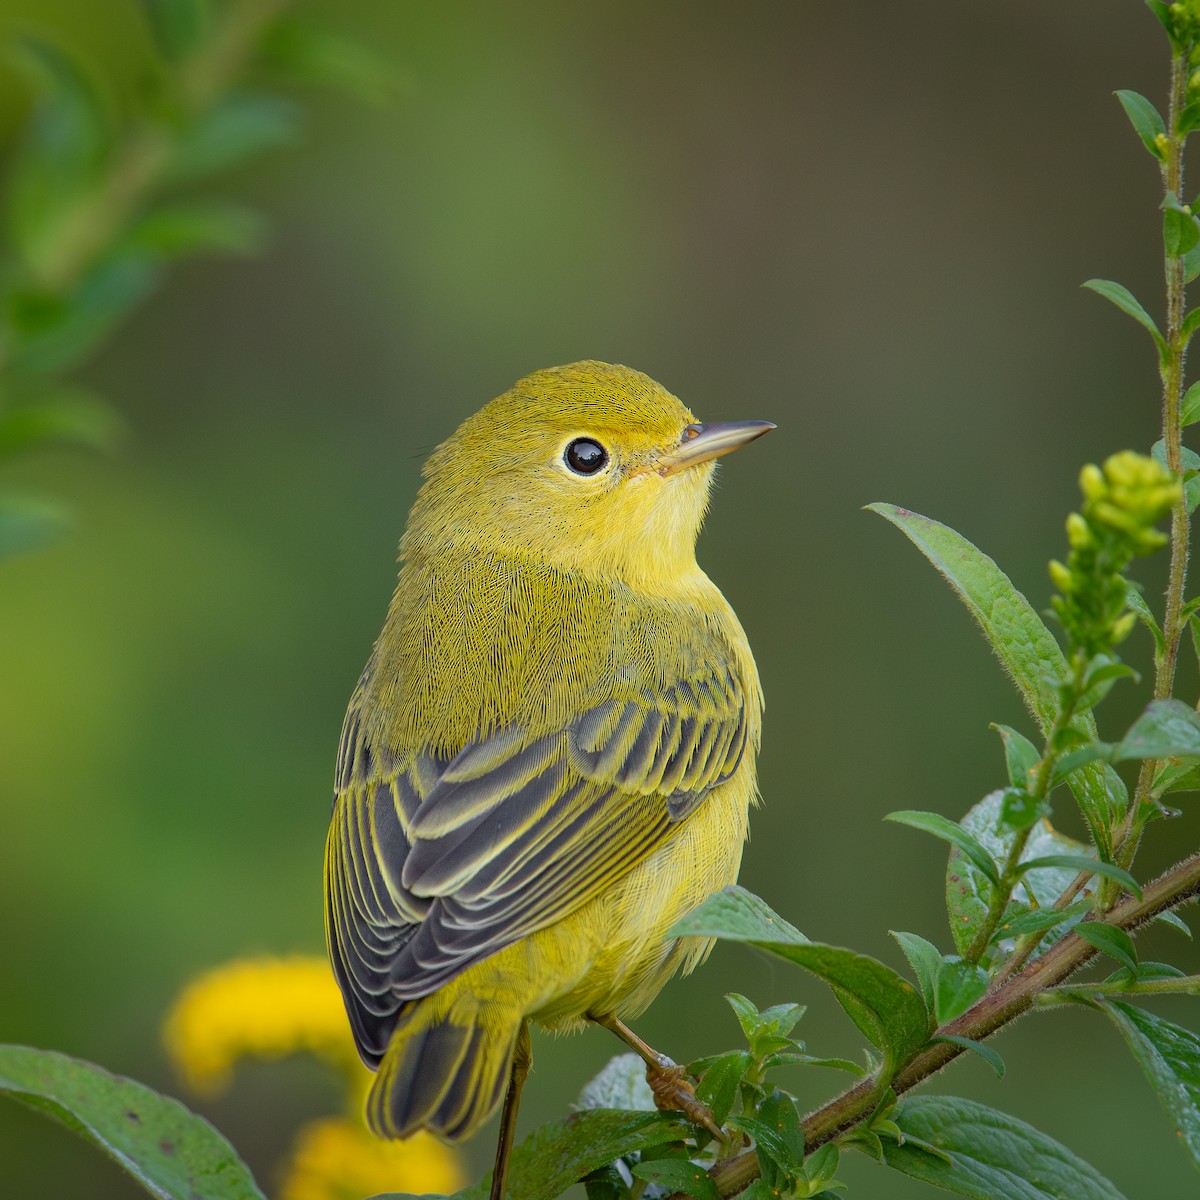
(1144, 118)
(925, 959)
(1114, 942)
(953, 833)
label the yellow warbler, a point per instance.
(549, 757)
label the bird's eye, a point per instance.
(585, 456)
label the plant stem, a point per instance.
(1174, 985)
(992, 1013)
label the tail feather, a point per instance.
(443, 1076)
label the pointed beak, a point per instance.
(703, 442)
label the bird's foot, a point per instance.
(675, 1092)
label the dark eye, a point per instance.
(585, 456)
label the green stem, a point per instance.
(1174, 985)
(992, 1013)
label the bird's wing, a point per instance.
(435, 864)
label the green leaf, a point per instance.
(621, 1083)
(179, 26)
(718, 1086)
(28, 523)
(1136, 601)
(65, 415)
(1125, 300)
(1083, 862)
(1191, 264)
(968, 892)
(181, 229)
(310, 54)
(985, 1052)
(1176, 922)
(1188, 120)
(1190, 461)
(886, 1008)
(1019, 810)
(1170, 1057)
(238, 128)
(953, 833)
(1180, 231)
(1190, 408)
(1167, 729)
(1114, 942)
(1144, 118)
(1176, 775)
(1041, 920)
(1021, 756)
(1191, 322)
(778, 1138)
(678, 1175)
(173, 1153)
(1166, 19)
(925, 959)
(975, 1151)
(959, 985)
(738, 915)
(1026, 649)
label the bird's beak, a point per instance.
(703, 442)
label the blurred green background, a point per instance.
(865, 222)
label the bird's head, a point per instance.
(588, 467)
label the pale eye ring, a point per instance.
(585, 456)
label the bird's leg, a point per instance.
(673, 1090)
(522, 1061)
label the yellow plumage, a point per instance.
(550, 755)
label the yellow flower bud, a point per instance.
(1078, 533)
(1061, 577)
(1091, 482)
(1123, 627)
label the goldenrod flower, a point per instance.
(260, 1008)
(335, 1159)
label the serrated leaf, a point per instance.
(975, 1151)
(718, 1086)
(678, 1175)
(240, 127)
(1026, 649)
(953, 833)
(1166, 729)
(985, 1052)
(967, 891)
(66, 415)
(1170, 1058)
(179, 26)
(1114, 942)
(1144, 118)
(170, 1151)
(959, 985)
(1190, 461)
(887, 1009)
(28, 523)
(925, 959)
(1124, 299)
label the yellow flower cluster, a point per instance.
(272, 1007)
(335, 1159)
(260, 1008)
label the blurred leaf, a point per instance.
(718, 1086)
(1167, 729)
(189, 228)
(1190, 408)
(886, 1008)
(678, 1175)
(1021, 756)
(28, 522)
(967, 890)
(173, 1153)
(1188, 120)
(1136, 601)
(1176, 775)
(959, 985)
(1191, 462)
(985, 1052)
(64, 415)
(1114, 942)
(1144, 118)
(738, 915)
(1166, 19)
(239, 127)
(925, 959)
(621, 1083)
(1170, 1057)
(975, 1151)
(60, 151)
(1124, 299)
(953, 833)
(1026, 649)
(310, 54)
(1082, 862)
(179, 26)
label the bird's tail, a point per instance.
(442, 1073)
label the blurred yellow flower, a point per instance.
(272, 1007)
(335, 1159)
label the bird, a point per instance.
(549, 757)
